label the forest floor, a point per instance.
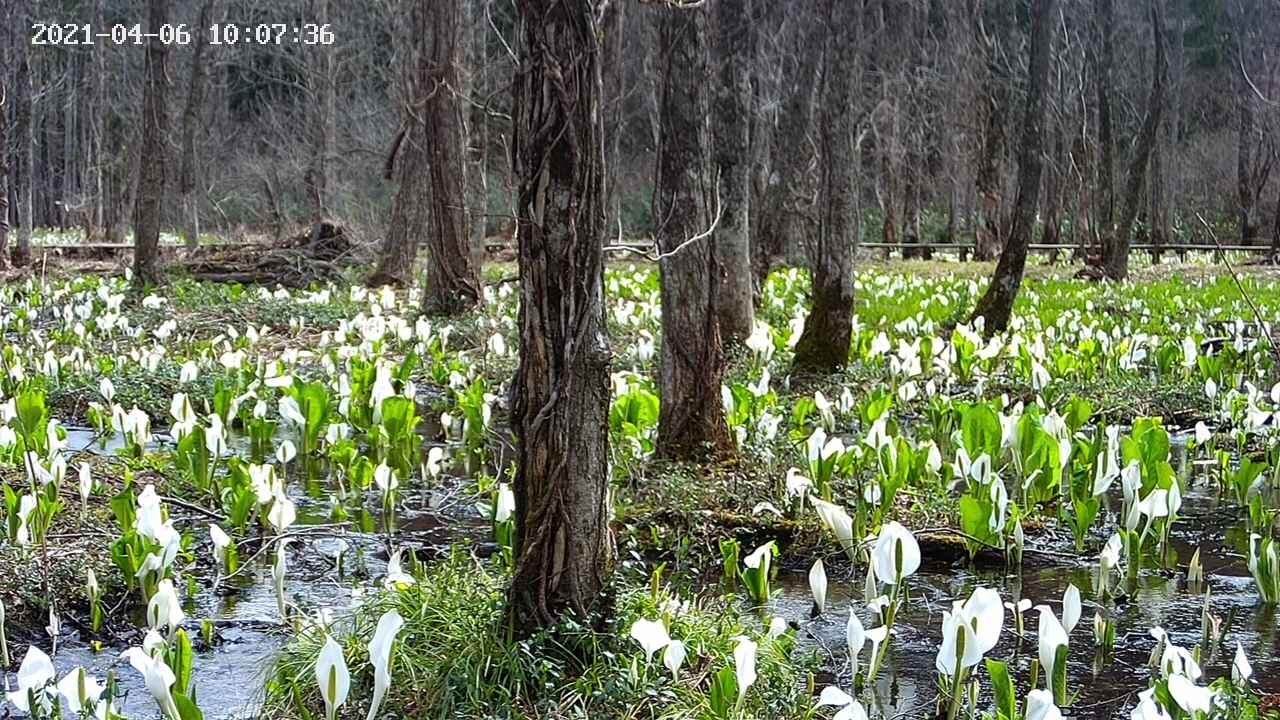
(894, 437)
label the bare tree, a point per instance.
(996, 304)
(560, 397)
(824, 343)
(691, 420)
(1104, 62)
(732, 130)
(996, 20)
(4, 158)
(191, 122)
(151, 153)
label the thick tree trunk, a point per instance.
(190, 123)
(475, 114)
(1115, 257)
(996, 305)
(21, 253)
(824, 344)
(151, 153)
(788, 193)
(410, 209)
(691, 422)
(453, 282)
(560, 396)
(732, 130)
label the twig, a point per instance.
(673, 251)
(1262, 326)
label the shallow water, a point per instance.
(907, 687)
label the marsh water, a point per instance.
(228, 675)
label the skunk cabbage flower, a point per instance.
(980, 619)
(673, 657)
(380, 656)
(1040, 706)
(1241, 670)
(818, 585)
(1051, 636)
(34, 675)
(652, 636)
(333, 677)
(850, 709)
(744, 666)
(1070, 608)
(896, 554)
(157, 676)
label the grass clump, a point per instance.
(452, 659)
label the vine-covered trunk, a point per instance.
(453, 283)
(824, 344)
(560, 397)
(691, 421)
(996, 304)
(149, 202)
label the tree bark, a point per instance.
(787, 196)
(691, 422)
(996, 305)
(21, 253)
(732, 129)
(1115, 257)
(151, 153)
(6, 87)
(996, 106)
(824, 344)
(190, 123)
(1104, 215)
(410, 210)
(614, 78)
(453, 282)
(560, 397)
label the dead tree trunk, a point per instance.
(732, 129)
(560, 397)
(151, 153)
(190, 123)
(824, 344)
(1115, 257)
(691, 422)
(453, 283)
(996, 305)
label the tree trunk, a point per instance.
(190, 123)
(691, 422)
(323, 131)
(97, 108)
(560, 397)
(475, 113)
(788, 195)
(410, 209)
(996, 106)
(453, 283)
(5, 88)
(732, 129)
(824, 344)
(614, 72)
(151, 153)
(996, 305)
(1104, 215)
(21, 253)
(1116, 256)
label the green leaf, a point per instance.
(1002, 686)
(187, 709)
